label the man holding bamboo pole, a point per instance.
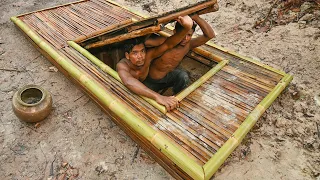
(163, 71)
(134, 68)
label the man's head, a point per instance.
(135, 51)
(178, 27)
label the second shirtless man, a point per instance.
(163, 72)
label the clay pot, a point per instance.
(32, 103)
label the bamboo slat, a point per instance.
(201, 129)
(219, 127)
(200, 81)
(229, 118)
(240, 112)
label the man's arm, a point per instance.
(207, 31)
(170, 102)
(154, 41)
(173, 40)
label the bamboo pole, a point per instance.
(200, 59)
(117, 107)
(112, 72)
(207, 54)
(219, 157)
(122, 37)
(101, 31)
(201, 80)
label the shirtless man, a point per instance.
(135, 66)
(163, 72)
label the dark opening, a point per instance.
(110, 54)
(31, 96)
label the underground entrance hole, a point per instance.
(194, 64)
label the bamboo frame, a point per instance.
(201, 80)
(117, 107)
(111, 72)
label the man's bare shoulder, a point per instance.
(122, 65)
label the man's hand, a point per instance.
(185, 21)
(170, 102)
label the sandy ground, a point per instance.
(283, 145)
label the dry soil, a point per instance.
(284, 144)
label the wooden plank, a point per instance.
(122, 37)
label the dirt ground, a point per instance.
(284, 144)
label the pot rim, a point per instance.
(31, 86)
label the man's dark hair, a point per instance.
(129, 44)
(178, 27)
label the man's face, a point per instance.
(187, 38)
(137, 55)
